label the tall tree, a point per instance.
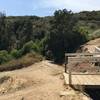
(62, 34)
(3, 34)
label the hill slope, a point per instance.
(90, 46)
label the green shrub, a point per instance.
(29, 47)
(14, 53)
(4, 56)
(17, 53)
(26, 48)
(36, 47)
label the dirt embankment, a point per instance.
(90, 46)
(41, 81)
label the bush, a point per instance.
(14, 53)
(4, 57)
(36, 48)
(26, 48)
(29, 47)
(17, 53)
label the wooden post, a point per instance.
(65, 68)
(70, 77)
(65, 65)
(66, 62)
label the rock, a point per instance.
(86, 98)
(64, 93)
(22, 98)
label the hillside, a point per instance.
(90, 46)
(49, 36)
(89, 23)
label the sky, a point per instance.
(45, 7)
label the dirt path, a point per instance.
(91, 45)
(41, 81)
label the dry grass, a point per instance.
(25, 61)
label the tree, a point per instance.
(3, 34)
(23, 32)
(62, 34)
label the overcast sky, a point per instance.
(46, 7)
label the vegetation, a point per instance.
(63, 35)
(24, 61)
(50, 36)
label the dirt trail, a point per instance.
(91, 45)
(41, 81)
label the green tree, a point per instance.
(3, 34)
(63, 38)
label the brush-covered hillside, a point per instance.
(48, 37)
(89, 22)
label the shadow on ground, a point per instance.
(94, 93)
